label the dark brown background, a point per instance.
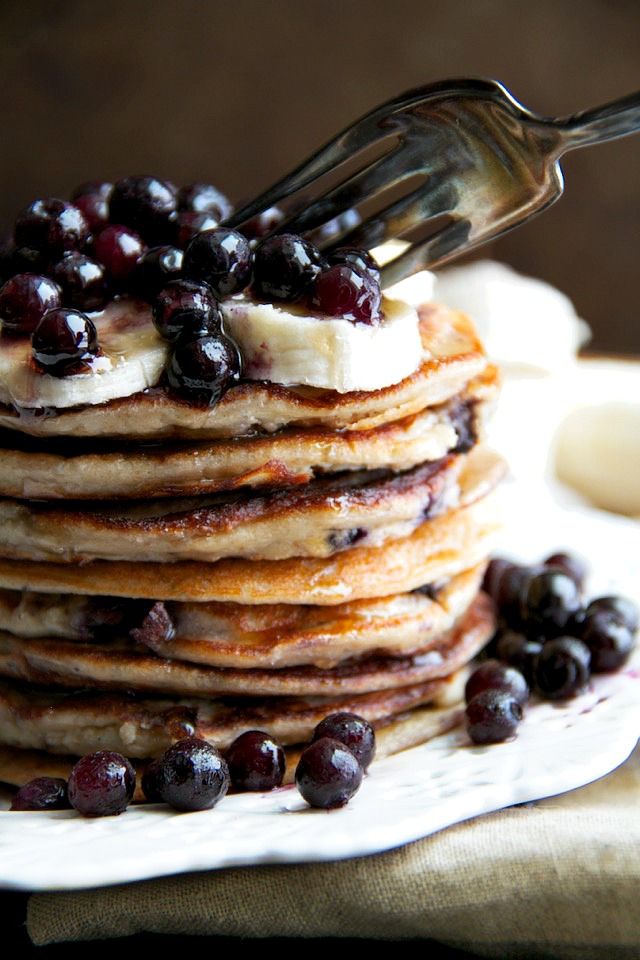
(236, 93)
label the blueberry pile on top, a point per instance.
(145, 238)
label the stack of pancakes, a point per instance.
(170, 570)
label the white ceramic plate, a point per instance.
(405, 798)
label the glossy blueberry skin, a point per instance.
(190, 224)
(285, 267)
(492, 716)
(204, 198)
(222, 258)
(156, 267)
(572, 565)
(608, 638)
(548, 600)
(562, 668)
(191, 775)
(64, 340)
(101, 784)
(92, 198)
(201, 370)
(361, 259)
(118, 248)
(624, 608)
(494, 675)
(256, 762)
(83, 281)
(519, 651)
(353, 731)
(343, 290)
(42, 793)
(24, 300)
(186, 307)
(328, 775)
(263, 223)
(51, 227)
(147, 205)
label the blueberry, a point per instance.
(51, 227)
(562, 668)
(608, 638)
(343, 290)
(507, 590)
(284, 268)
(494, 675)
(118, 249)
(360, 259)
(353, 731)
(24, 300)
(64, 341)
(256, 761)
(156, 267)
(202, 369)
(624, 608)
(204, 198)
(186, 307)
(92, 198)
(149, 782)
(191, 775)
(518, 651)
(491, 580)
(569, 564)
(83, 282)
(492, 716)
(328, 774)
(147, 205)
(43, 793)
(263, 223)
(101, 784)
(549, 599)
(190, 224)
(222, 258)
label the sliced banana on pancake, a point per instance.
(131, 359)
(453, 356)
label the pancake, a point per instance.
(453, 356)
(439, 548)
(79, 722)
(317, 519)
(168, 569)
(122, 665)
(44, 469)
(241, 636)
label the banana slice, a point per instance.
(283, 344)
(132, 358)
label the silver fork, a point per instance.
(459, 161)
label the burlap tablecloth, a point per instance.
(556, 878)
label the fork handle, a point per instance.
(616, 119)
